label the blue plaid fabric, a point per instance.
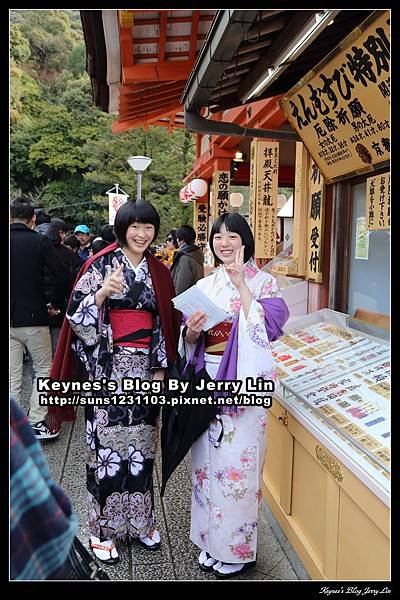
(42, 522)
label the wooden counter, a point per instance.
(336, 524)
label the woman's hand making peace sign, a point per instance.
(235, 269)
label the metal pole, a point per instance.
(139, 185)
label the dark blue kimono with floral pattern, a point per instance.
(121, 440)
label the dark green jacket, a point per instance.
(187, 268)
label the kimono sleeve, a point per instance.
(254, 353)
(158, 354)
(85, 318)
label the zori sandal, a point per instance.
(150, 542)
(104, 551)
(227, 570)
(206, 561)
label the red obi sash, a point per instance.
(217, 337)
(131, 328)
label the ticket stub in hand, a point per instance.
(194, 299)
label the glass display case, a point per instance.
(334, 374)
(294, 290)
(283, 263)
(295, 293)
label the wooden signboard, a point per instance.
(315, 229)
(253, 187)
(301, 208)
(378, 202)
(220, 193)
(200, 223)
(263, 196)
(341, 109)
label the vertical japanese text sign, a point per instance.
(114, 202)
(220, 192)
(253, 186)
(267, 161)
(200, 223)
(315, 224)
(377, 207)
(341, 110)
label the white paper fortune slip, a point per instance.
(194, 299)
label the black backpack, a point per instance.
(81, 564)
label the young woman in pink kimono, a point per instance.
(227, 459)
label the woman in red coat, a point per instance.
(120, 323)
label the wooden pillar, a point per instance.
(300, 207)
(340, 247)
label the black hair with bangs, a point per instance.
(130, 212)
(237, 224)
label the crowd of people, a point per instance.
(45, 262)
(108, 302)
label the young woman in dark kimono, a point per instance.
(121, 323)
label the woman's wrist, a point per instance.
(192, 336)
(99, 298)
(242, 287)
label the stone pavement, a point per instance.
(177, 557)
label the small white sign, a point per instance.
(362, 239)
(115, 201)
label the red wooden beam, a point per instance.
(157, 94)
(269, 116)
(172, 19)
(148, 100)
(222, 164)
(146, 105)
(169, 38)
(119, 126)
(259, 110)
(133, 88)
(163, 34)
(166, 124)
(154, 89)
(125, 33)
(194, 34)
(168, 55)
(171, 122)
(198, 145)
(165, 71)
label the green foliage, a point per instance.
(76, 201)
(78, 98)
(15, 94)
(25, 95)
(48, 33)
(19, 47)
(77, 60)
(62, 148)
(22, 137)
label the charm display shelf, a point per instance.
(327, 469)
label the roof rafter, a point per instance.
(145, 118)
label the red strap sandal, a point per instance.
(108, 561)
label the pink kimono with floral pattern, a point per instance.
(226, 479)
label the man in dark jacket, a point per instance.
(73, 244)
(188, 265)
(57, 306)
(30, 253)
